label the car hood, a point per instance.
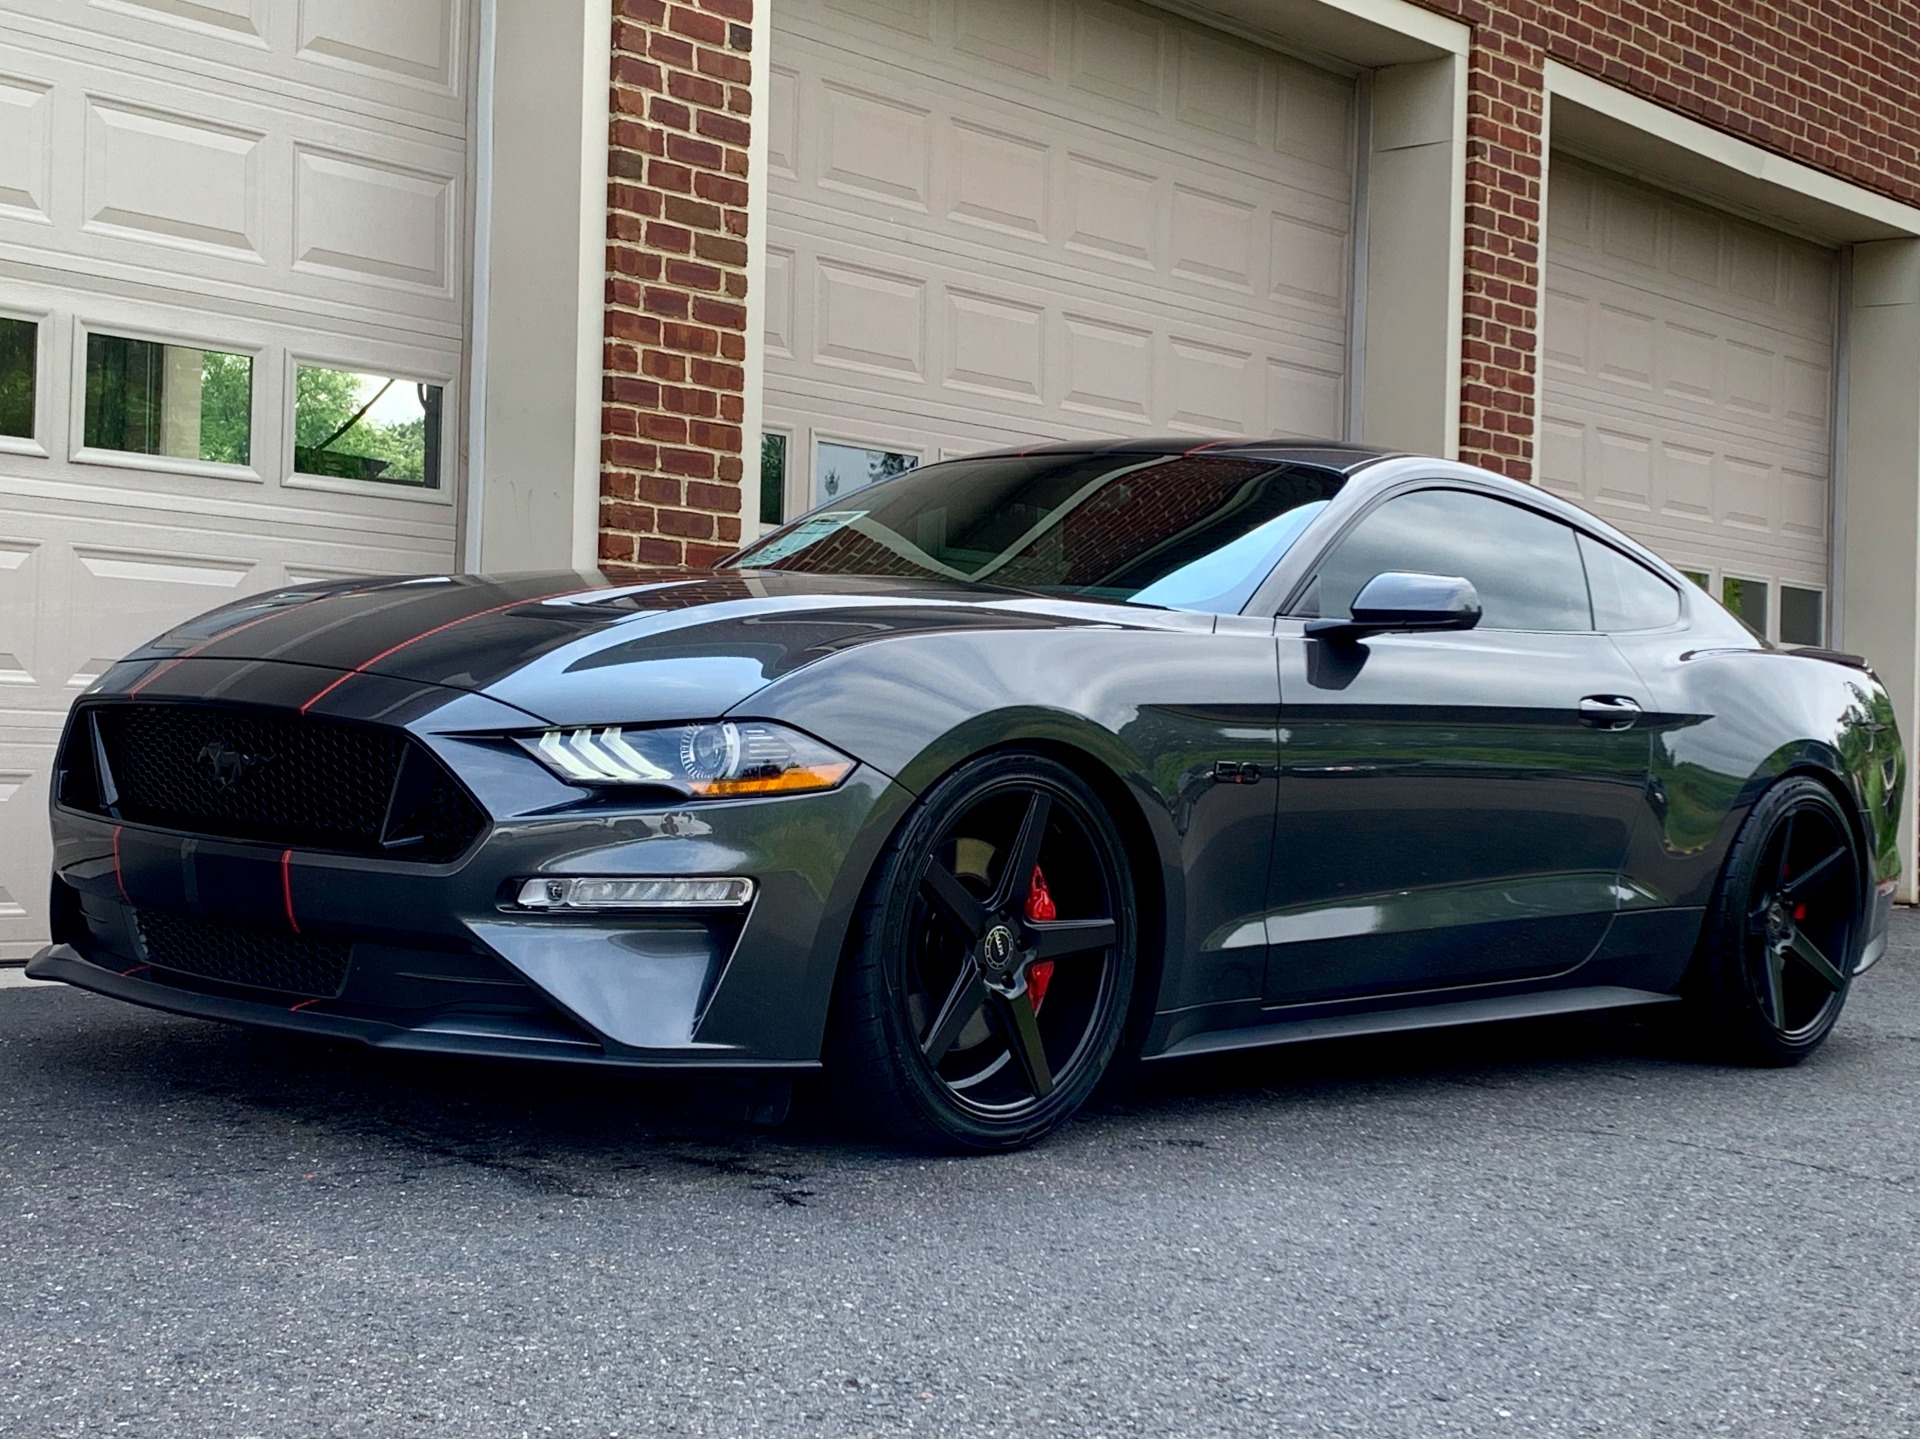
(575, 649)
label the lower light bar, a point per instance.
(723, 892)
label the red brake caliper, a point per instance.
(1040, 909)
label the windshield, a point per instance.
(1191, 532)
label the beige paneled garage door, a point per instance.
(1688, 389)
(198, 200)
(997, 220)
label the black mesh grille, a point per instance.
(233, 954)
(282, 778)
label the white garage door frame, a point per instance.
(1875, 522)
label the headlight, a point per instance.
(712, 761)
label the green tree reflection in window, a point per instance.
(19, 350)
(356, 426)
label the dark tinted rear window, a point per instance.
(1186, 532)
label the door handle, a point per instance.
(1610, 712)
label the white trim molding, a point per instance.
(754, 365)
(539, 311)
(1636, 136)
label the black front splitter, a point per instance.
(476, 1036)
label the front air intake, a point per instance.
(237, 954)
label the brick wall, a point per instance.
(1832, 83)
(676, 282)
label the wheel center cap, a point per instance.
(998, 949)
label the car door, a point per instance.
(1454, 807)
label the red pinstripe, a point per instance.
(119, 878)
(391, 650)
(286, 887)
(148, 679)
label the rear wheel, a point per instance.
(1784, 933)
(994, 962)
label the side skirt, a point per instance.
(1426, 1016)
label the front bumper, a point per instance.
(441, 961)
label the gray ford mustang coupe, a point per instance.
(988, 775)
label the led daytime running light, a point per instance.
(717, 892)
(718, 760)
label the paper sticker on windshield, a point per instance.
(805, 533)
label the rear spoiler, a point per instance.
(1839, 657)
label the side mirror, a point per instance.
(1401, 601)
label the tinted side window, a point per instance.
(1626, 594)
(1525, 566)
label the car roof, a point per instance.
(1337, 455)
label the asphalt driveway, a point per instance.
(1542, 1229)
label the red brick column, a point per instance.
(676, 321)
(1499, 378)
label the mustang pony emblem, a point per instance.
(229, 764)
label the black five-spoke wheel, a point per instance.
(1785, 933)
(991, 983)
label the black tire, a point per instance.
(1783, 934)
(945, 1034)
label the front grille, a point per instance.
(235, 954)
(267, 775)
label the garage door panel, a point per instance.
(403, 63)
(1302, 399)
(1137, 225)
(995, 346)
(162, 177)
(173, 179)
(417, 43)
(867, 318)
(999, 180)
(1013, 33)
(1152, 93)
(1093, 208)
(902, 315)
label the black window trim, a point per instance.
(1310, 571)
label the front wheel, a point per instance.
(989, 981)
(1784, 933)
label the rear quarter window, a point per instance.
(1626, 594)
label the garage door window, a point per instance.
(349, 425)
(145, 397)
(773, 477)
(1746, 601)
(840, 468)
(19, 346)
(1803, 616)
